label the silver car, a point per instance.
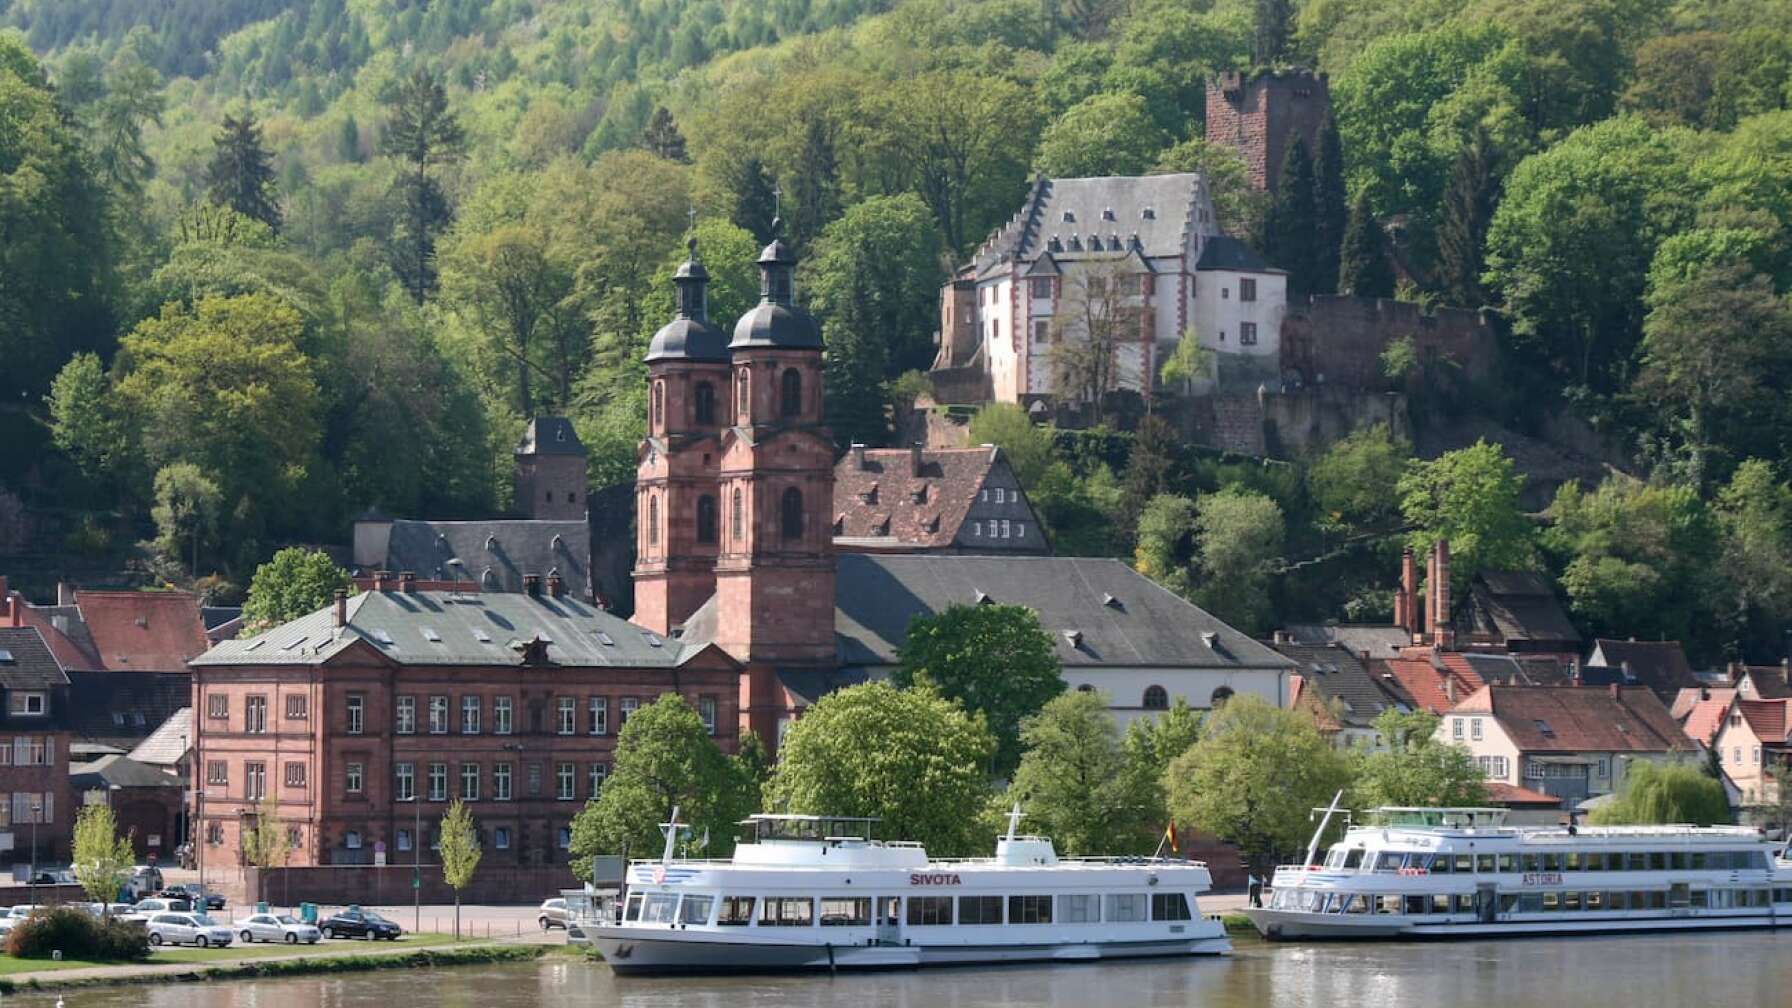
(187, 929)
(552, 914)
(269, 927)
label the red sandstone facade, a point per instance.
(1261, 115)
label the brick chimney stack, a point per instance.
(341, 607)
(858, 456)
(382, 580)
(532, 585)
(1406, 599)
(407, 582)
(1446, 633)
(556, 587)
(914, 459)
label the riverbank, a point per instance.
(222, 964)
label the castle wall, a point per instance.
(1337, 339)
(1261, 114)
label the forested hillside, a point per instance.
(264, 264)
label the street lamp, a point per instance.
(37, 810)
(417, 861)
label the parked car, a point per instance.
(194, 891)
(552, 914)
(187, 929)
(358, 923)
(53, 876)
(147, 908)
(275, 928)
(145, 880)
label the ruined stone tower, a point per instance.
(1261, 113)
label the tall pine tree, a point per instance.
(1290, 239)
(240, 174)
(1462, 227)
(1273, 21)
(1331, 209)
(1364, 269)
(755, 199)
(662, 138)
(422, 134)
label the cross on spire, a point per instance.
(777, 201)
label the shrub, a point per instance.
(77, 935)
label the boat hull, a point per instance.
(1295, 925)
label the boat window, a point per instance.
(1441, 865)
(1530, 902)
(634, 907)
(1677, 860)
(929, 910)
(979, 909)
(1440, 903)
(1658, 861)
(1508, 862)
(1552, 862)
(1484, 863)
(1465, 902)
(1552, 901)
(1169, 907)
(1087, 909)
(695, 909)
(1782, 895)
(784, 911)
(1508, 902)
(1125, 907)
(1658, 900)
(1595, 901)
(1533, 863)
(1356, 904)
(1752, 859)
(1595, 861)
(737, 911)
(1031, 909)
(659, 908)
(842, 912)
(1387, 904)
(1699, 859)
(1464, 863)
(1638, 861)
(1571, 901)
(1618, 900)
(1699, 898)
(1334, 858)
(1417, 905)
(1389, 861)
(1571, 861)
(1353, 859)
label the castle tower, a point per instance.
(677, 502)
(1260, 115)
(550, 471)
(775, 571)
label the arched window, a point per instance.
(659, 404)
(791, 514)
(705, 399)
(737, 521)
(706, 519)
(742, 400)
(653, 520)
(1156, 698)
(793, 392)
(1220, 696)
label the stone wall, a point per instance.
(1338, 340)
(334, 886)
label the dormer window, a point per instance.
(1069, 218)
(1148, 214)
(31, 703)
(1107, 213)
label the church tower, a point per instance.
(775, 571)
(677, 501)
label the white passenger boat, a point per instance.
(818, 892)
(1460, 872)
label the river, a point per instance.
(1744, 968)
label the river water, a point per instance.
(1690, 971)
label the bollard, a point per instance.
(56, 955)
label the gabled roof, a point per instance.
(1436, 681)
(1765, 682)
(493, 555)
(1160, 211)
(1579, 719)
(1515, 608)
(1511, 796)
(1221, 252)
(26, 662)
(1343, 683)
(123, 708)
(550, 435)
(1659, 665)
(168, 744)
(451, 628)
(879, 494)
(143, 631)
(1701, 711)
(1100, 612)
(120, 772)
(1766, 718)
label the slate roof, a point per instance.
(494, 555)
(119, 771)
(1120, 617)
(216, 616)
(1171, 200)
(168, 744)
(467, 629)
(1343, 682)
(550, 435)
(1515, 609)
(1767, 682)
(26, 662)
(806, 686)
(123, 708)
(1766, 718)
(143, 631)
(878, 494)
(1659, 665)
(1221, 252)
(1379, 641)
(1577, 719)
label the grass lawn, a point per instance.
(187, 954)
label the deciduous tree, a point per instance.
(1658, 793)
(186, 510)
(1350, 482)
(1073, 781)
(460, 853)
(1469, 497)
(996, 660)
(1416, 768)
(1238, 541)
(1104, 134)
(102, 855)
(1027, 447)
(295, 582)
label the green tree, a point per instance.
(103, 857)
(1349, 483)
(1236, 202)
(81, 420)
(295, 582)
(1273, 23)
(908, 756)
(1289, 239)
(1416, 768)
(1363, 265)
(186, 508)
(662, 138)
(1027, 447)
(264, 842)
(1470, 497)
(1151, 470)
(1238, 541)
(1166, 542)
(1658, 793)
(1467, 210)
(1399, 359)
(460, 853)
(996, 660)
(1331, 209)
(1254, 777)
(421, 133)
(1073, 780)
(1188, 363)
(240, 174)
(1104, 134)
(1754, 512)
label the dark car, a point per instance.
(357, 923)
(194, 891)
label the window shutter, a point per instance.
(21, 751)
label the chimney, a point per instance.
(65, 593)
(556, 587)
(1407, 599)
(1427, 630)
(858, 456)
(1785, 665)
(1282, 637)
(1616, 695)
(407, 582)
(382, 580)
(1450, 688)
(532, 585)
(341, 607)
(914, 459)
(1444, 635)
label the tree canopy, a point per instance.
(296, 582)
(1655, 793)
(995, 660)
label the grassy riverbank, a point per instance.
(188, 965)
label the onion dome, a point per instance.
(690, 336)
(775, 321)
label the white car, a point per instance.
(187, 929)
(16, 914)
(275, 928)
(148, 908)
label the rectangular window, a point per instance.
(1079, 909)
(706, 709)
(534, 780)
(1042, 287)
(217, 706)
(565, 782)
(930, 910)
(1247, 289)
(736, 911)
(1247, 333)
(600, 715)
(355, 709)
(404, 839)
(295, 774)
(255, 781)
(404, 777)
(255, 714)
(501, 782)
(1456, 728)
(844, 911)
(568, 710)
(1029, 909)
(470, 708)
(29, 704)
(296, 707)
(1001, 495)
(694, 909)
(217, 772)
(438, 782)
(501, 838)
(351, 778)
(596, 778)
(438, 715)
(1474, 729)
(784, 911)
(979, 909)
(1169, 907)
(1122, 907)
(469, 782)
(501, 721)
(405, 720)
(1042, 330)
(627, 707)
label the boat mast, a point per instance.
(671, 831)
(1014, 816)
(1326, 820)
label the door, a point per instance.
(889, 920)
(1487, 903)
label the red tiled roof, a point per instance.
(1766, 718)
(1580, 718)
(1501, 793)
(69, 654)
(1701, 711)
(143, 631)
(882, 494)
(1436, 681)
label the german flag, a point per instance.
(1170, 838)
